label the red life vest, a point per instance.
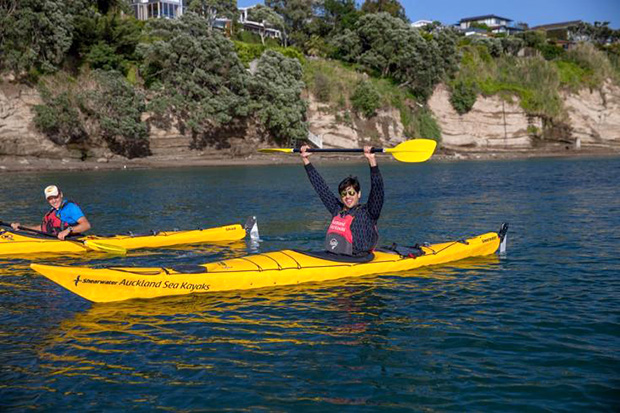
(339, 238)
(52, 224)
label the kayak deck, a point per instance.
(17, 243)
(286, 267)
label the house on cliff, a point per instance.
(157, 9)
(563, 33)
(173, 9)
(489, 23)
(257, 27)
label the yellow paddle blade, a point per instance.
(276, 150)
(110, 249)
(415, 150)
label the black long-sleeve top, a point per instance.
(364, 225)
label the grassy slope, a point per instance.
(333, 83)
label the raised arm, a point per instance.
(376, 195)
(331, 202)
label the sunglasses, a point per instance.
(350, 192)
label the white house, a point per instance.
(154, 9)
(490, 20)
(496, 24)
(256, 27)
(421, 23)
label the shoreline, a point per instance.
(17, 164)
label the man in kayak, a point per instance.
(353, 230)
(63, 219)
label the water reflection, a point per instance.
(101, 342)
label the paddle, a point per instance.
(90, 244)
(414, 150)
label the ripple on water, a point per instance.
(535, 330)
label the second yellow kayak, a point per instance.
(19, 243)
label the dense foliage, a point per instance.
(389, 47)
(118, 107)
(196, 72)
(34, 34)
(60, 119)
(365, 99)
(101, 71)
(276, 92)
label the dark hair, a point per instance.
(347, 182)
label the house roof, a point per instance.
(421, 22)
(486, 16)
(560, 25)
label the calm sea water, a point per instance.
(535, 330)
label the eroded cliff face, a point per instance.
(383, 129)
(18, 135)
(492, 125)
(595, 116)
(593, 121)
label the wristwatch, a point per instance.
(70, 230)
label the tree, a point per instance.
(340, 14)
(391, 48)
(267, 17)
(212, 9)
(365, 99)
(34, 34)
(118, 107)
(276, 93)
(194, 73)
(533, 38)
(296, 15)
(393, 7)
(598, 33)
(107, 41)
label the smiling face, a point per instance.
(350, 197)
(55, 201)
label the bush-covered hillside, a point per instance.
(100, 71)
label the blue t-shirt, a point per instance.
(69, 212)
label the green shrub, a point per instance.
(248, 52)
(551, 51)
(59, 120)
(276, 93)
(322, 89)
(424, 125)
(534, 80)
(365, 99)
(103, 56)
(292, 52)
(594, 62)
(572, 76)
(118, 107)
(463, 96)
(248, 37)
(533, 130)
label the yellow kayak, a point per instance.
(18, 242)
(278, 268)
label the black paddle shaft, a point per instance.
(372, 150)
(34, 231)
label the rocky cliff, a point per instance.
(493, 125)
(336, 130)
(595, 116)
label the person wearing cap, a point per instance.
(63, 219)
